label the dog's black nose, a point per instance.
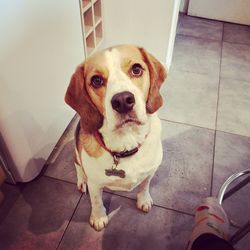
(123, 102)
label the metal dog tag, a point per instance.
(114, 172)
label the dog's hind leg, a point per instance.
(144, 200)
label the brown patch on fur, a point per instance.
(77, 160)
(89, 144)
(157, 76)
(98, 98)
(78, 98)
(131, 55)
(95, 65)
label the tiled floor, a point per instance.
(206, 138)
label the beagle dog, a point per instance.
(117, 141)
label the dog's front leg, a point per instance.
(81, 178)
(98, 218)
(144, 200)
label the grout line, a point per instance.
(198, 37)
(173, 69)
(218, 93)
(202, 18)
(154, 205)
(247, 44)
(173, 210)
(58, 147)
(64, 232)
(212, 170)
(187, 124)
(230, 133)
(196, 126)
(56, 179)
(216, 117)
(234, 79)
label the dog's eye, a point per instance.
(136, 69)
(96, 81)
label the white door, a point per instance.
(235, 11)
(151, 24)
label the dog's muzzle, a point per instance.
(123, 102)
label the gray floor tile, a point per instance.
(63, 144)
(243, 244)
(234, 107)
(63, 165)
(11, 194)
(129, 228)
(70, 130)
(196, 55)
(236, 33)
(198, 27)
(190, 98)
(185, 173)
(184, 176)
(179, 22)
(39, 216)
(232, 155)
(235, 61)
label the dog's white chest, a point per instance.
(136, 167)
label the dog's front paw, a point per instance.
(98, 223)
(144, 201)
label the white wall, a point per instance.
(150, 24)
(224, 10)
(40, 46)
(171, 36)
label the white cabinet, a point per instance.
(40, 47)
(151, 24)
(92, 24)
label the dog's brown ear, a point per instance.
(78, 98)
(157, 76)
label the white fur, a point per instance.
(118, 82)
(140, 167)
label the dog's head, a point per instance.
(120, 84)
